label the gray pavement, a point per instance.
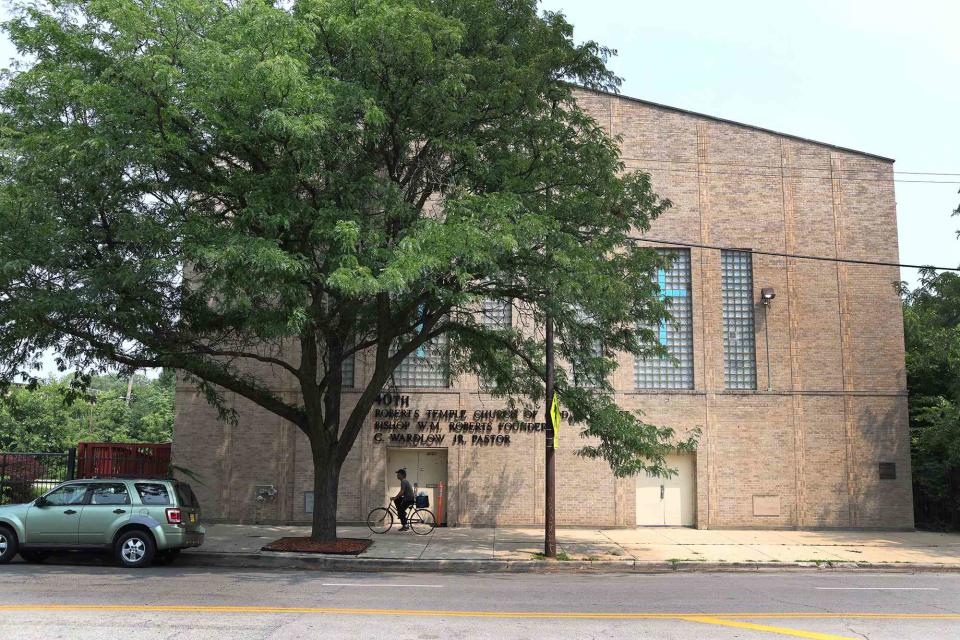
(83, 601)
(663, 545)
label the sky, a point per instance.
(879, 76)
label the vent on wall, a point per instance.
(888, 470)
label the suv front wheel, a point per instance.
(134, 549)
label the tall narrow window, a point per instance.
(425, 367)
(579, 378)
(676, 334)
(739, 342)
(595, 349)
(347, 371)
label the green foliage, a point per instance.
(45, 418)
(931, 316)
(233, 188)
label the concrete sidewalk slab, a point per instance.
(639, 536)
(795, 553)
(458, 550)
(659, 552)
(749, 536)
(727, 553)
(516, 550)
(594, 550)
(590, 549)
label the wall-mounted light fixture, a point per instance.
(766, 295)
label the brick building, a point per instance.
(801, 401)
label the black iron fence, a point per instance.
(26, 476)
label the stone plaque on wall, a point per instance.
(766, 506)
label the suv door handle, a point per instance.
(119, 510)
(69, 512)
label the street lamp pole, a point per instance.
(550, 512)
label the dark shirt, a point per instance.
(406, 489)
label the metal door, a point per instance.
(668, 501)
(107, 510)
(58, 522)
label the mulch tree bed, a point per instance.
(341, 546)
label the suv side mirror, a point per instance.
(41, 502)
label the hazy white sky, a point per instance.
(875, 75)
(881, 76)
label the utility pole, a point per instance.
(129, 389)
(550, 512)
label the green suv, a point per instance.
(140, 521)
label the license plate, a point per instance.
(193, 518)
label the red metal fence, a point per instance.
(105, 459)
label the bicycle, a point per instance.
(420, 521)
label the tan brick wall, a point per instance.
(809, 438)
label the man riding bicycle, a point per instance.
(404, 499)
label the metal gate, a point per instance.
(25, 476)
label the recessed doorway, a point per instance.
(668, 501)
(426, 469)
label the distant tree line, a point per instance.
(53, 416)
(931, 314)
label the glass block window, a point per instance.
(347, 370)
(676, 334)
(581, 380)
(425, 367)
(739, 341)
(496, 314)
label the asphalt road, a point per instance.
(85, 601)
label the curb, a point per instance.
(306, 562)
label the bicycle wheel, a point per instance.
(380, 520)
(422, 521)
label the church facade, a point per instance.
(792, 368)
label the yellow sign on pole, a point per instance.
(555, 419)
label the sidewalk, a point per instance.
(652, 548)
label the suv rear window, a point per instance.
(185, 495)
(153, 493)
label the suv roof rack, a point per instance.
(129, 477)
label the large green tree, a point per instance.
(54, 415)
(210, 185)
(931, 314)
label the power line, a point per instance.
(781, 166)
(786, 171)
(875, 263)
(789, 176)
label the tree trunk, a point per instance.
(326, 485)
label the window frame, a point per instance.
(93, 489)
(681, 358)
(738, 301)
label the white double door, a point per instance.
(426, 470)
(668, 501)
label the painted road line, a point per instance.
(374, 584)
(877, 588)
(783, 631)
(580, 615)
